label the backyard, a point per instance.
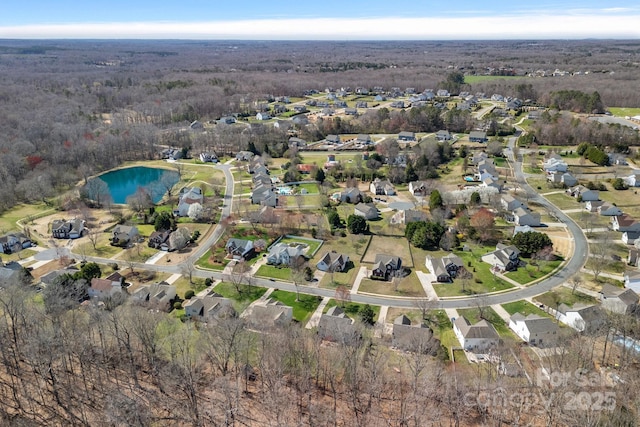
(396, 246)
(302, 307)
(409, 286)
(563, 295)
(523, 307)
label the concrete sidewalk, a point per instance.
(356, 283)
(426, 281)
(501, 312)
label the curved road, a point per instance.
(574, 264)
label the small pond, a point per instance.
(124, 182)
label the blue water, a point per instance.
(125, 182)
(468, 178)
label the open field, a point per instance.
(397, 246)
(624, 111)
(409, 286)
(528, 273)
(271, 271)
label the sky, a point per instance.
(319, 19)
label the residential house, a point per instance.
(159, 295)
(208, 157)
(632, 280)
(582, 318)
(63, 229)
(9, 272)
(523, 229)
(257, 167)
(397, 104)
(239, 249)
(385, 266)
(593, 205)
(362, 104)
(382, 187)
(535, 330)
(366, 210)
(510, 203)
(263, 116)
(478, 338)
(408, 216)
(336, 326)
(523, 217)
(633, 180)
(269, 314)
(504, 258)
(333, 261)
(478, 157)
(327, 112)
(624, 223)
(478, 136)
(159, 240)
(103, 288)
(629, 237)
(283, 125)
(188, 196)
(14, 242)
(226, 120)
(261, 179)
(285, 254)
(301, 120)
(619, 300)
(491, 183)
(208, 307)
(297, 142)
(443, 135)
(406, 136)
(497, 97)
(122, 235)
(244, 156)
(349, 195)
(583, 193)
(445, 269)
(350, 111)
(333, 139)
(171, 154)
(264, 195)
(562, 178)
(196, 125)
(443, 93)
(415, 339)
(300, 109)
(364, 139)
(419, 188)
(609, 210)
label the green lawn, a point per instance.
(21, 212)
(409, 286)
(303, 308)
(352, 309)
(280, 273)
(529, 273)
(310, 187)
(471, 288)
(207, 263)
(182, 285)
(473, 316)
(523, 307)
(25, 253)
(624, 111)
(478, 79)
(561, 295)
(242, 299)
(564, 201)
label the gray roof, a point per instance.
(536, 323)
(625, 295)
(482, 329)
(402, 320)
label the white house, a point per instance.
(624, 223)
(582, 318)
(522, 217)
(477, 338)
(618, 300)
(633, 180)
(534, 329)
(632, 280)
(504, 258)
(285, 254)
(554, 165)
(263, 116)
(188, 197)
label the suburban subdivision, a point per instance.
(462, 252)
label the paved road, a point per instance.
(573, 265)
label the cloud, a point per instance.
(541, 26)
